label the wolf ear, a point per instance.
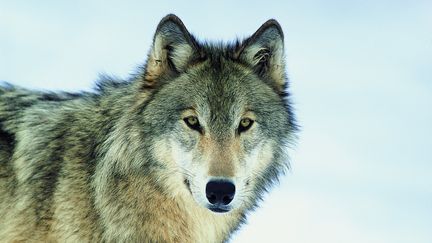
(172, 50)
(264, 53)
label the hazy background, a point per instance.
(361, 78)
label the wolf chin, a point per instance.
(180, 152)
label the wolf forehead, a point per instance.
(220, 85)
(225, 92)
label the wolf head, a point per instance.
(217, 115)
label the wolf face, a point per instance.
(218, 115)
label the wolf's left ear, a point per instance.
(264, 53)
(172, 50)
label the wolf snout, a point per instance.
(220, 193)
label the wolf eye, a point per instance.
(193, 123)
(245, 124)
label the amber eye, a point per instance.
(245, 124)
(193, 123)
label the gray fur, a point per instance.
(85, 167)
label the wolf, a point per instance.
(180, 152)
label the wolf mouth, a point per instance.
(219, 210)
(187, 183)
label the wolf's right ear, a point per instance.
(172, 50)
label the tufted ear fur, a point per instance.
(264, 53)
(172, 50)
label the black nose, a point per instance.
(220, 192)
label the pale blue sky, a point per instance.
(361, 78)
